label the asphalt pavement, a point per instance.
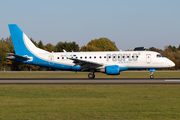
(89, 81)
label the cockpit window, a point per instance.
(159, 56)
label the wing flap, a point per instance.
(85, 64)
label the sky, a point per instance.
(129, 23)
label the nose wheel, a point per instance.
(91, 75)
(151, 75)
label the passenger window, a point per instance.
(100, 57)
(57, 57)
(94, 57)
(62, 57)
(104, 56)
(90, 57)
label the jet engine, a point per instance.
(111, 70)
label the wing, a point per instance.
(85, 64)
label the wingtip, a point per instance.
(64, 50)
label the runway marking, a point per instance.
(172, 80)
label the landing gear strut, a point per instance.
(151, 75)
(91, 75)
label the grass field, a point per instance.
(89, 102)
(92, 102)
(58, 74)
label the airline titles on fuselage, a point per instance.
(120, 57)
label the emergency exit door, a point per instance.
(148, 58)
(51, 60)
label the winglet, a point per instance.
(66, 53)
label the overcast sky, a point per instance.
(129, 23)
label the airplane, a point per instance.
(108, 62)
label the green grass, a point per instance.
(56, 74)
(92, 102)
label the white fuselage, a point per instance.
(111, 62)
(130, 59)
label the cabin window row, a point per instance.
(94, 57)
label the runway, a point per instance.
(88, 81)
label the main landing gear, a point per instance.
(151, 73)
(91, 75)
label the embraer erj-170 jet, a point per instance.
(111, 62)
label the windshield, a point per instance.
(159, 56)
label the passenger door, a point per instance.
(148, 58)
(51, 60)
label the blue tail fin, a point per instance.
(22, 44)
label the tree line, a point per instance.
(101, 44)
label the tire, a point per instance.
(91, 76)
(151, 76)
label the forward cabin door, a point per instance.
(148, 58)
(51, 60)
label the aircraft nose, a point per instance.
(171, 63)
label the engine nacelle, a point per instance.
(111, 70)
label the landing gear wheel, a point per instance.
(91, 76)
(151, 73)
(151, 76)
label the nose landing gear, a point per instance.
(151, 73)
(151, 76)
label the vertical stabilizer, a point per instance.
(22, 44)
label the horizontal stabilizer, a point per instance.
(12, 56)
